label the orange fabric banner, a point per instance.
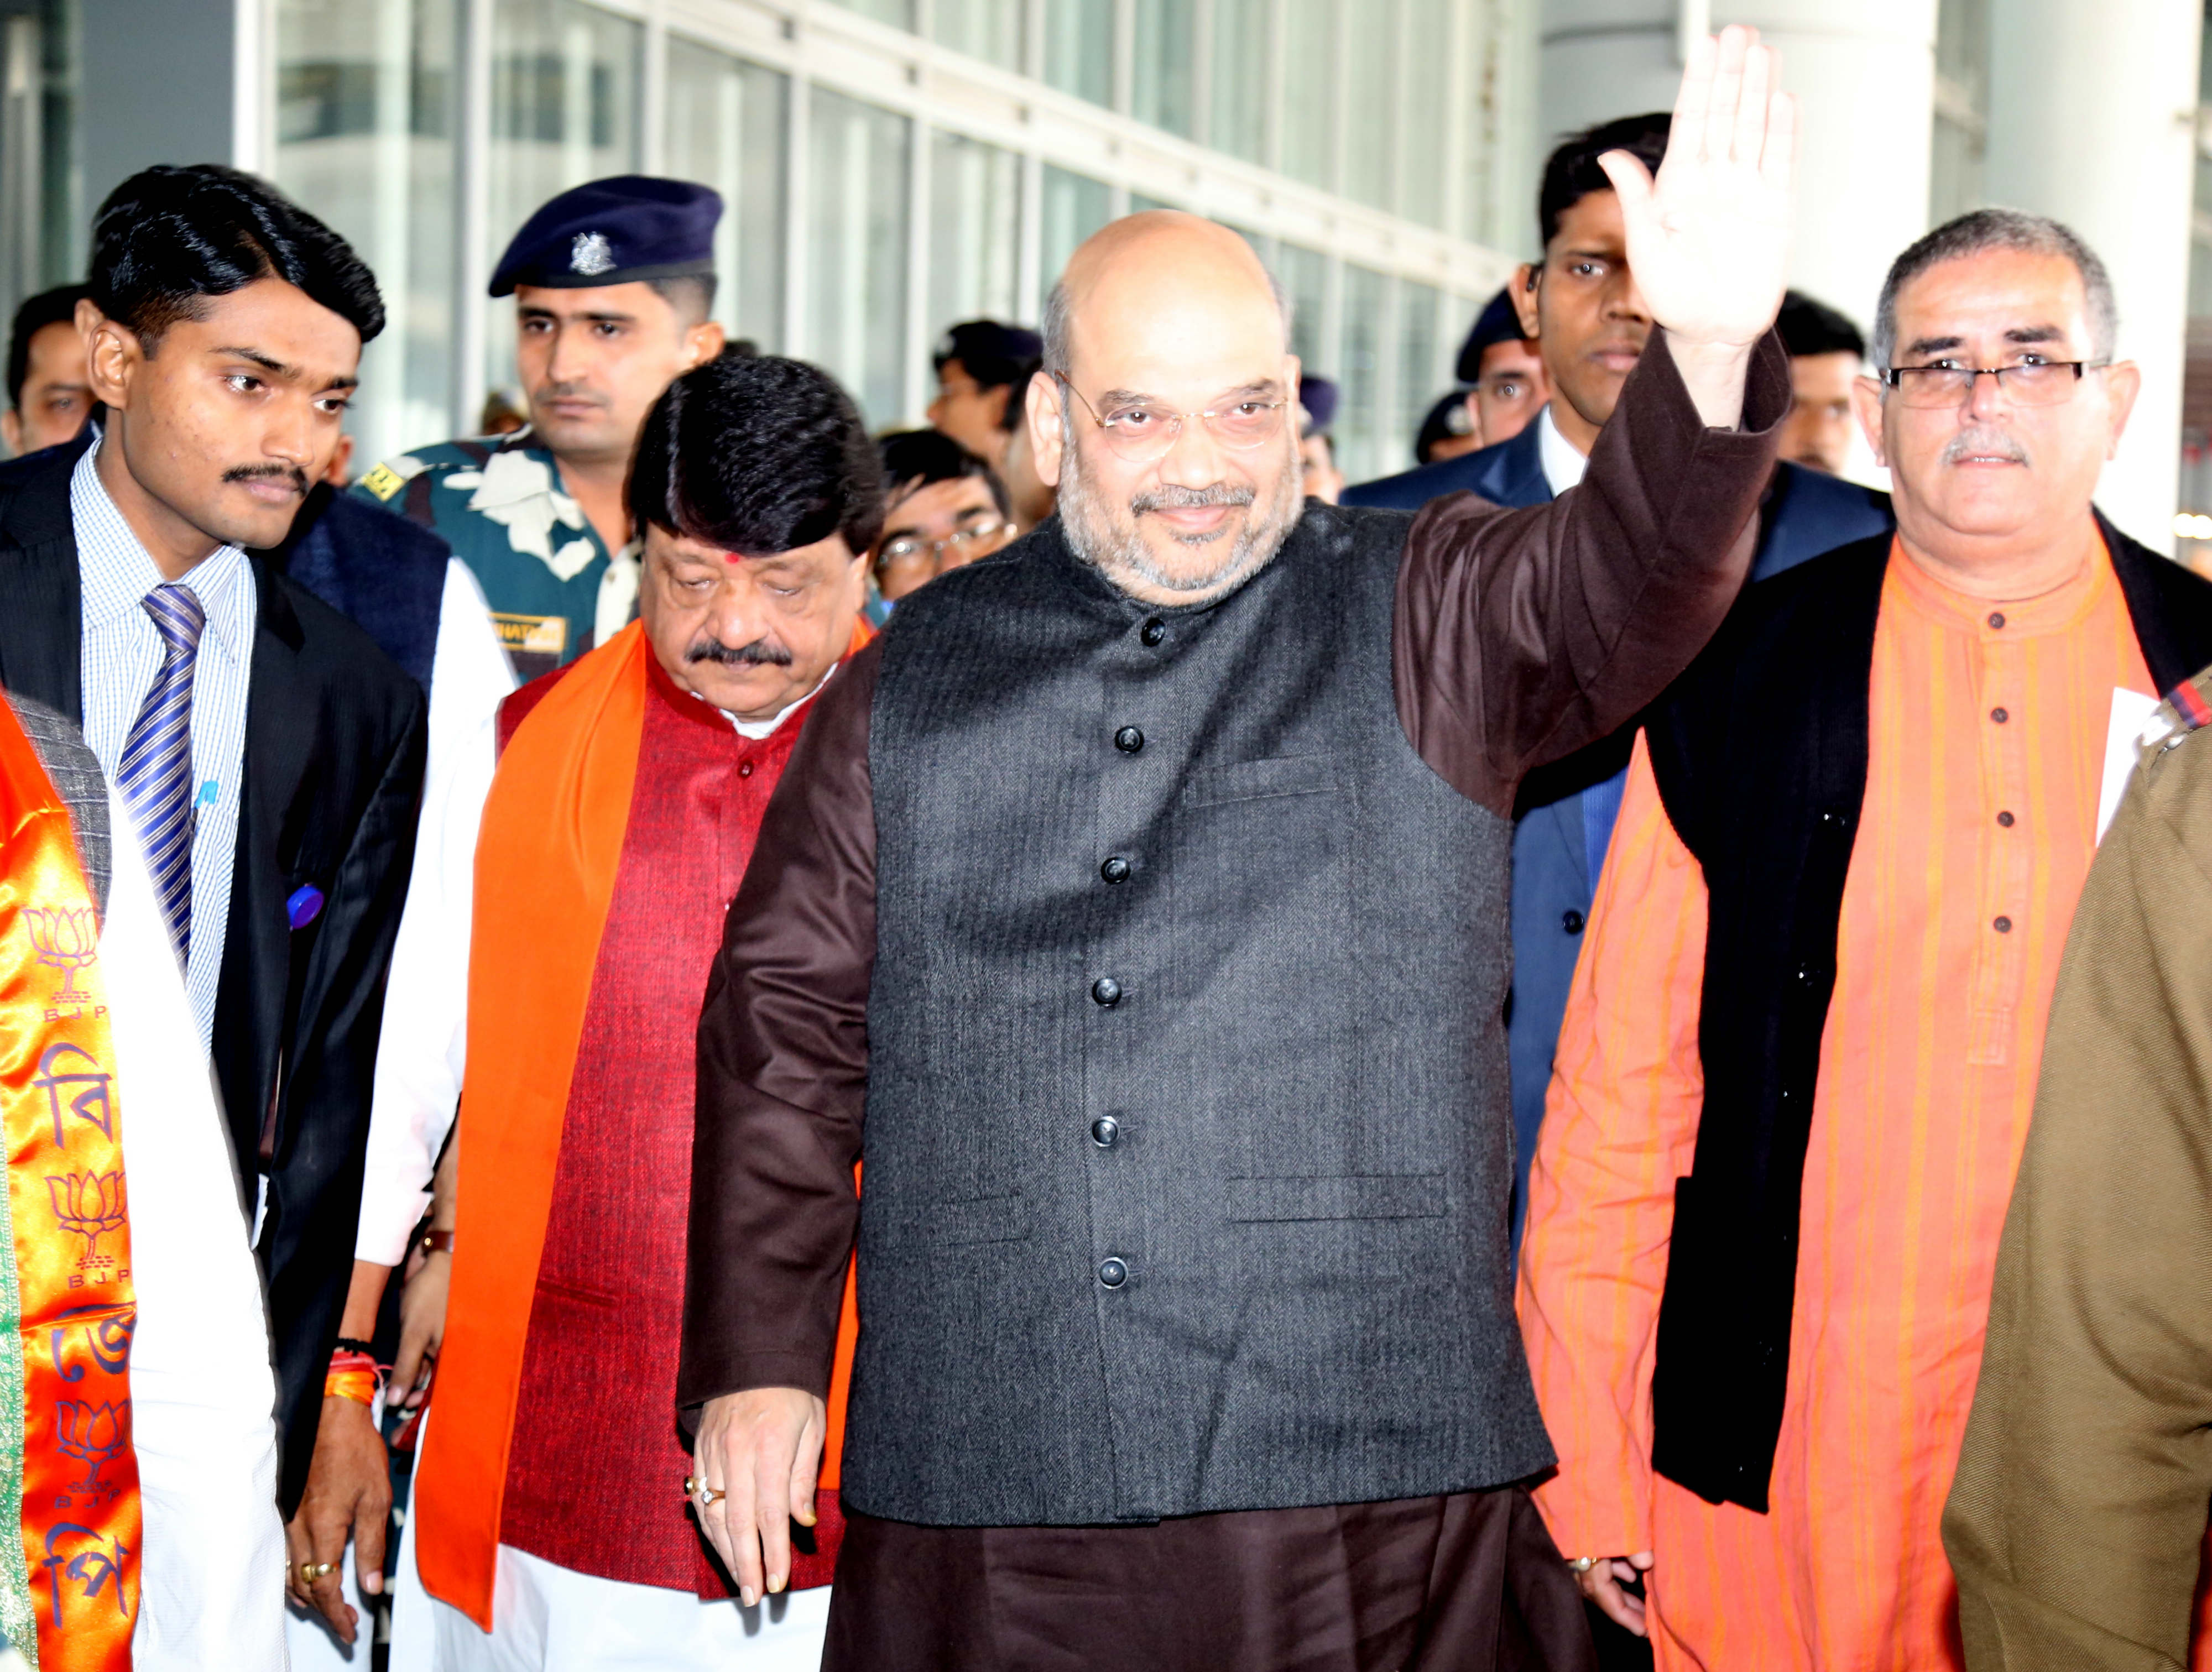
(74, 1302)
(547, 855)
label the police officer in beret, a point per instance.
(1449, 429)
(1317, 398)
(612, 284)
(1506, 375)
(982, 369)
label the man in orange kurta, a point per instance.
(1801, 1053)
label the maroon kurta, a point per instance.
(594, 1479)
(1520, 636)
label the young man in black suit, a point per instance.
(270, 754)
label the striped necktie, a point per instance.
(156, 772)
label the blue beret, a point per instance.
(1318, 396)
(613, 232)
(1448, 417)
(991, 353)
(1498, 324)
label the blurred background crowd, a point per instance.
(893, 167)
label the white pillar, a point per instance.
(2093, 116)
(1863, 72)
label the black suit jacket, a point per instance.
(1761, 752)
(331, 787)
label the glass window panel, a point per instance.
(974, 243)
(1485, 217)
(1304, 276)
(856, 247)
(1237, 108)
(564, 110)
(42, 231)
(986, 29)
(365, 91)
(727, 127)
(1962, 44)
(1262, 246)
(1138, 201)
(1418, 376)
(1075, 206)
(1359, 418)
(1427, 86)
(1309, 69)
(1078, 48)
(1372, 93)
(1161, 46)
(1957, 169)
(898, 12)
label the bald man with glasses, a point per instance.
(1143, 898)
(1803, 1043)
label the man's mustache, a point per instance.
(761, 652)
(571, 391)
(1186, 499)
(1984, 441)
(272, 473)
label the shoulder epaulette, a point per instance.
(2187, 708)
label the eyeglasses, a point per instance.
(1142, 434)
(2035, 383)
(964, 545)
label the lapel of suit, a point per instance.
(250, 1000)
(2169, 606)
(42, 628)
(1521, 482)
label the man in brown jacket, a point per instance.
(2076, 1523)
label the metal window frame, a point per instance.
(818, 42)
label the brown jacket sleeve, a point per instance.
(2076, 1520)
(1524, 635)
(783, 1058)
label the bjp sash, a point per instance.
(70, 1590)
(547, 853)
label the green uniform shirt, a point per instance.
(497, 501)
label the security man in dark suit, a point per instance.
(270, 754)
(1581, 307)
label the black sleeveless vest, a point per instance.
(1188, 1139)
(1761, 753)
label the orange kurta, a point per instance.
(1975, 836)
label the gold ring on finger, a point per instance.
(700, 1491)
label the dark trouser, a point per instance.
(1468, 1583)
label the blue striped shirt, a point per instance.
(122, 653)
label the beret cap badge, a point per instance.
(626, 228)
(591, 255)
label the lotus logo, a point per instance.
(93, 1434)
(90, 1204)
(69, 938)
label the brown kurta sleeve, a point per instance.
(783, 1059)
(2076, 1520)
(1524, 635)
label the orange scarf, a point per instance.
(74, 1306)
(547, 855)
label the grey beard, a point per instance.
(1106, 537)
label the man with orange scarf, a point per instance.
(551, 1514)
